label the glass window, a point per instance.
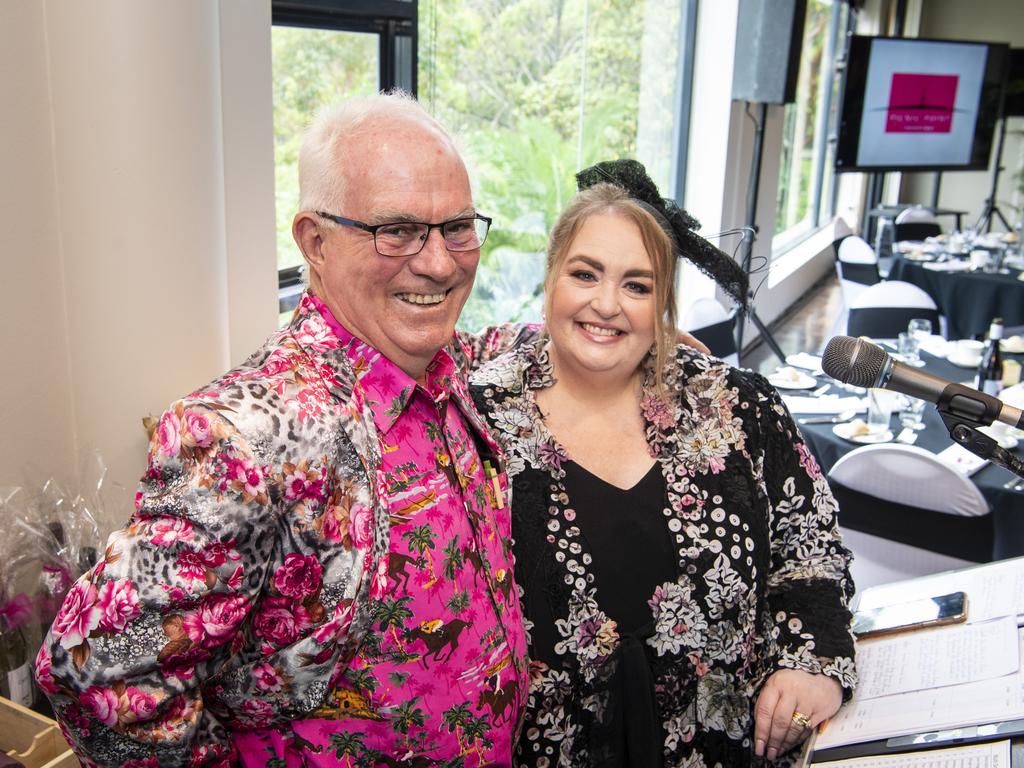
(805, 171)
(538, 89)
(311, 67)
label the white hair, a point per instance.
(322, 157)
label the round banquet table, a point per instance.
(969, 300)
(1007, 505)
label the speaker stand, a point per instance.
(747, 312)
(991, 209)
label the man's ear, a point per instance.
(306, 232)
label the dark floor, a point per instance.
(804, 328)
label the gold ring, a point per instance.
(801, 719)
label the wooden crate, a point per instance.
(31, 739)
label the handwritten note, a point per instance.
(938, 656)
(987, 701)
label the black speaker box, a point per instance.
(769, 37)
(1014, 106)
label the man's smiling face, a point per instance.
(406, 307)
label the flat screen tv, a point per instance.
(920, 105)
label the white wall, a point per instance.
(139, 248)
(998, 21)
(37, 424)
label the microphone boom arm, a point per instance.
(962, 413)
(962, 409)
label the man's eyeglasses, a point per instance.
(407, 238)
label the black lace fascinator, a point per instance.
(713, 262)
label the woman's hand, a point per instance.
(791, 693)
(682, 337)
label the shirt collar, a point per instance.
(388, 388)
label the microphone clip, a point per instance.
(962, 417)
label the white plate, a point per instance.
(801, 382)
(964, 362)
(915, 256)
(843, 431)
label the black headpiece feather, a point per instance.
(713, 262)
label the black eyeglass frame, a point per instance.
(372, 229)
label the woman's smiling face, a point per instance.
(601, 309)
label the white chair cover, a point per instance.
(894, 293)
(857, 250)
(909, 475)
(857, 267)
(883, 311)
(904, 474)
(916, 214)
(709, 314)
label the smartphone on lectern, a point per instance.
(916, 614)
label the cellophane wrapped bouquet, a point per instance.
(51, 538)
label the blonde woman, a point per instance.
(683, 582)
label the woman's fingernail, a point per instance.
(759, 747)
(772, 753)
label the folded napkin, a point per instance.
(806, 361)
(948, 266)
(962, 460)
(830, 404)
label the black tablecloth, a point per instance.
(1007, 506)
(969, 300)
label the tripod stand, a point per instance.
(742, 313)
(990, 204)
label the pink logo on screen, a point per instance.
(921, 103)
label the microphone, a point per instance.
(863, 364)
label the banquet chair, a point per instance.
(903, 513)
(715, 326)
(857, 267)
(883, 311)
(916, 213)
(915, 223)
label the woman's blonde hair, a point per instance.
(610, 199)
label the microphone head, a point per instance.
(854, 361)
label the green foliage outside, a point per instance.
(534, 90)
(537, 89)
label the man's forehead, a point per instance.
(406, 174)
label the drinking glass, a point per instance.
(912, 413)
(879, 411)
(919, 328)
(908, 347)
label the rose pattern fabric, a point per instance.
(244, 613)
(763, 580)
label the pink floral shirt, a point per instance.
(317, 572)
(443, 676)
